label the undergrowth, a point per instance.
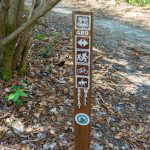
(137, 2)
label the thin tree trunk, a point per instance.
(20, 43)
(3, 14)
(10, 47)
(24, 59)
(20, 12)
(24, 38)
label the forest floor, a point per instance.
(121, 82)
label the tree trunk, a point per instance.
(20, 12)
(14, 30)
(24, 59)
(24, 38)
(21, 42)
(3, 14)
(10, 47)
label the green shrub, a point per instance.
(139, 2)
(17, 94)
(16, 97)
(40, 37)
(46, 52)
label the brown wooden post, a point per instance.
(82, 50)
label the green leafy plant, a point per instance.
(17, 96)
(40, 37)
(46, 52)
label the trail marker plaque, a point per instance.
(82, 48)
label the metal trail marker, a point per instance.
(82, 48)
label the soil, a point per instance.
(121, 82)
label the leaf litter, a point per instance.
(120, 111)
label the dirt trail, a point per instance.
(117, 33)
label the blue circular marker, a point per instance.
(82, 119)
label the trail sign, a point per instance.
(82, 48)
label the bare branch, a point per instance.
(32, 9)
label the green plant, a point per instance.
(139, 2)
(46, 52)
(40, 37)
(17, 96)
(136, 2)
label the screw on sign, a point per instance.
(82, 49)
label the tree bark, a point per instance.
(24, 38)
(20, 46)
(10, 47)
(20, 43)
(20, 12)
(3, 14)
(24, 59)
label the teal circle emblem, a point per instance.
(82, 119)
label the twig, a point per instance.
(100, 97)
(97, 58)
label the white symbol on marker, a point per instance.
(82, 83)
(85, 96)
(79, 95)
(82, 70)
(82, 42)
(82, 57)
(82, 21)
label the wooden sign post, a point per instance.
(82, 46)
